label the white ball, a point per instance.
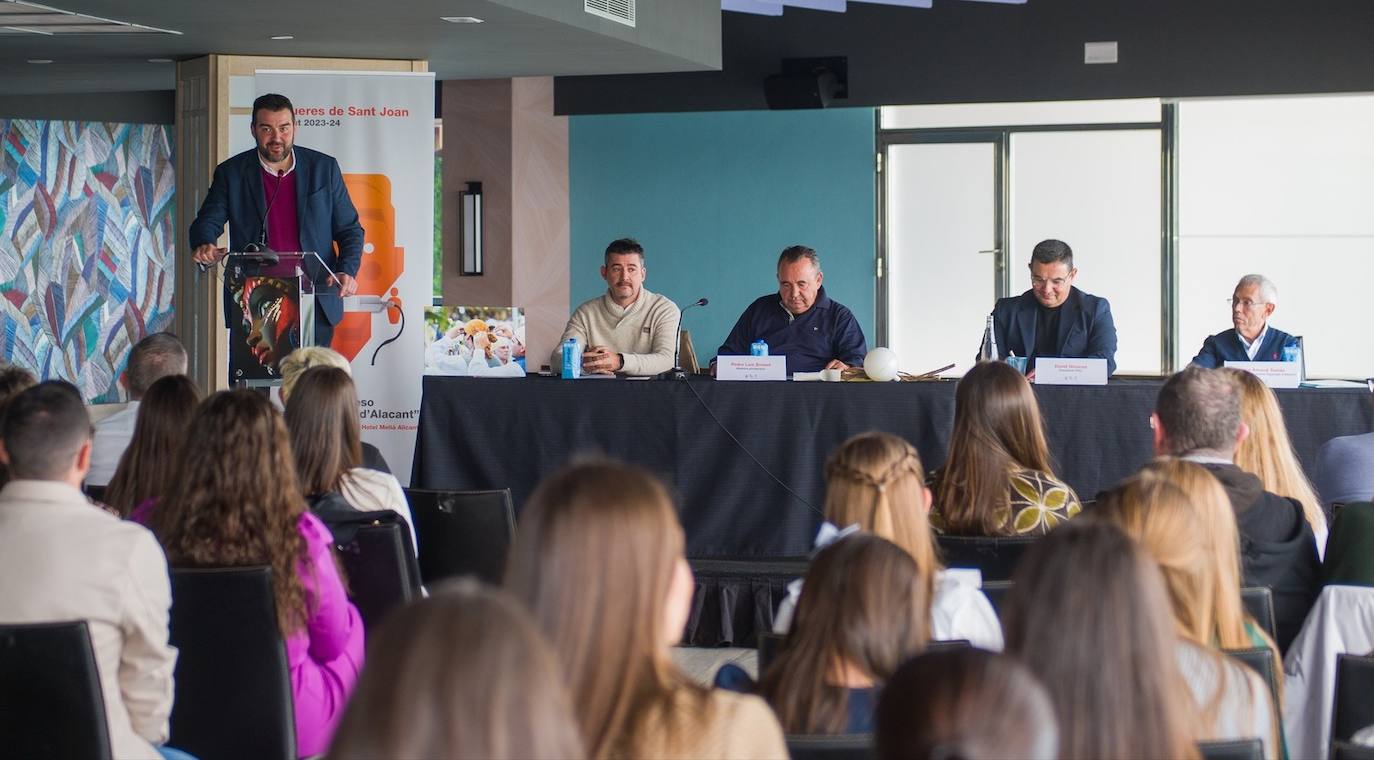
(881, 364)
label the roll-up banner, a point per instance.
(380, 127)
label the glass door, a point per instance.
(940, 264)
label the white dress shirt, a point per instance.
(112, 436)
(1252, 347)
(62, 558)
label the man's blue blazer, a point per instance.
(1226, 347)
(324, 214)
(1086, 329)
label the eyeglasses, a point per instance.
(1245, 303)
(1040, 282)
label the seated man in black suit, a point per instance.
(1251, 339)
(1054, 318)
(1197, 418)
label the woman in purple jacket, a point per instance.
(236, 503)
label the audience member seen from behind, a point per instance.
(1198, 418)
(156, 356)
(598, 560)
(1089, 616)
(61, 559)
(326, 442)
(1268, 453)
(1233, 702)
(461, 675)
(874, 480)
(965, 703)
(13, 379)
(1344, 464)
(237, 504)
(862, 614)
(302, 359)
(147, 468)
(997, 479)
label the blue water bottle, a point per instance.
(572, 359)
(758, 348)
(1291, 350)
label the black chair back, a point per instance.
(233, 687)
(1259, 604)
(1348, 751)
(1261, 660)
(51, 705)
(996, 592)
(462, 533)
(838, 747)
(769, 645)
(1238, 749)
(996, 556)
(374, 548)
(1354, 703)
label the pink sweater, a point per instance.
(326, 656)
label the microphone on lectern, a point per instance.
(677, 373)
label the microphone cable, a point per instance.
(748, 453)
(391, 304)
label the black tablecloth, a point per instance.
(703, 436)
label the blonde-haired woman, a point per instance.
(1201, 574)
(875, 481)
(1268, 452)
(598, 560)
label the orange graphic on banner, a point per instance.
(383, 260)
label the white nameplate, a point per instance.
(1274, 374)
(751, 367)
(1052, 371)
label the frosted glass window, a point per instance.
(1280, 186)
(940, 215)
(1098, 191)
(1134, 110)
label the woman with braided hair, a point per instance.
(875, 483)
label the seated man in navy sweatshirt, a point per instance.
(1251, 339)
(800, 321)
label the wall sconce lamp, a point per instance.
(470, 229)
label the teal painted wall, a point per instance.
(714, 197)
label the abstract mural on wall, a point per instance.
(87, 235)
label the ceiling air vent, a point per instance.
(619, 11)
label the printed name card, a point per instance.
(1051, 371)
(751, 367)
(1274, 374)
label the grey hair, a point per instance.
(1268, 292)
(156, 356)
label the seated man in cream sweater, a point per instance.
(628, 329)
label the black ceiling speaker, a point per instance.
(807, 83)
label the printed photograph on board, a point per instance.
(475, 341)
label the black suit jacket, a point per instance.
(324, 214)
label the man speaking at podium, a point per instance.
(292, 199)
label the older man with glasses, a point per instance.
(1251, 338)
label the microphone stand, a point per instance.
(677, 373)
